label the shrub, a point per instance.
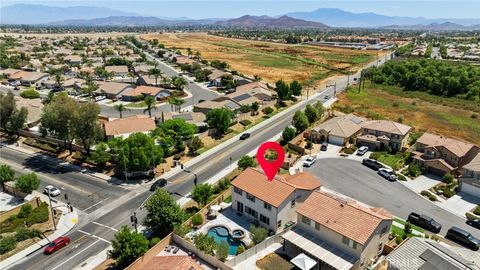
(470, 216)
(181, 230)
(240, 249)
(407, 228)
(425, 193)
(401, 177)
(222, 251)
(30, 94)
(7, 243)
(177, 157)
(432, 197)
(205, 243)
(476, 211)
(258, 234)
(474, 116)
(398, 239)
(197, 220)
(375, 155)
(39, 214)
(448, 178)
(25, 211)
(309, 145)
(267, 110)
(26, 233)
(245, 122)
(154, 241)
(447, 192)
(414, 170)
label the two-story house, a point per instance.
(439, 155)
(469, 182)
(338, 233)
(271, 204)
(377, 134)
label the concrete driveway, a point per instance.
(351, 178)
(461, 203)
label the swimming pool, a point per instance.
(220, 234)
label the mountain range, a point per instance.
(321, 18)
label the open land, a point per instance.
(271, 61)
(440, 115)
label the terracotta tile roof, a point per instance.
(113, 88)
(346, 218)
(273, 192)
(145, 90)
(172, 263)
(251, 86)
(117, 69)
(458, 148)
(137, 123)
(387, 126)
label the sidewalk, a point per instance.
(65, 224)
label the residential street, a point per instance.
(359, 182)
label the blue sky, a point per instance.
(230, 8)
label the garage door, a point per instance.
(472, 190)
(335, 140)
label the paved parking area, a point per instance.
(461, 203)
(423, 182)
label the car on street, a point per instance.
(309, 161)
(474, 223)
(326, 97)
(56, 244)
(387, 174)
(362, 150)
(372, 163)
(425, 222)
(244, 136)
(324, 146)
(201, 100)
(54, 191)
(158, 184)
(463, 238)
(99, 98)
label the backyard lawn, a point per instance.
(273, 261)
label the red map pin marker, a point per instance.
(270, 167)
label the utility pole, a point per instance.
(51, 210)
(134, 220)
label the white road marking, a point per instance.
(95, 236)
(100, 224)
(76, 254)
(93, 205)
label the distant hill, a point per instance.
(446, 26)
(266, 21)
(339, 18)
(130, 21)
(41, 14)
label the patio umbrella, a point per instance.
(303, 262)
(216, 207)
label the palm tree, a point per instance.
(197, 55)
(179, 83)
(131, 75)
(90, 88)
(59, 80)
(49, 98)
(189, 52)
(121, 108)
(150, 102)
(257, 77)
(156, 73)
(176, 103)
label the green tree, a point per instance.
(296, 88)
(179, 128)
(6, 174)
(127, 247)
(176, 103)
(179, 83)
(227, 81)
(300, 121)
(156, 73)
(197, 219)
(201, 193)
(245, 162)
(121, 108)
(150, 102)
(311, 113)
(163, 213)
(283, 90)
(138, 152)
(27, 182)
(258, 234)
(194, 145)
(18, 120)
(448, 178)
(222, 251)
(255, 107)
(220, 119)
(49, 98)
(88, 129)
(7, 108)
(288, 134)
(320, 109)
(205, 243)
(101, 155)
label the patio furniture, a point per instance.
(212, 214)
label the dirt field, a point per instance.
(272, 61)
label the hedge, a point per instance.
(30, 94)
(7, 243)
(50, 147)
(245, 122)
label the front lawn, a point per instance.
(395, 161)
(401, 221)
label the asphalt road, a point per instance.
(351, 178)
(86, 193)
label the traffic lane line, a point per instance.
(105, 226)
(95, 204)
(76, 254)
(95, 236)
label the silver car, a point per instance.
(52, 190)
(387, 174)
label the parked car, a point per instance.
(327, 97)
(244, 136)
(372, 163)
(463, 238)
(362, 150)
(56, 244)
(309, 161)
(158, 184)
(201, 100)
(52, 190)
(324, 146)
(425, 222)
(474, 223)
(387, 174)
(99, 98)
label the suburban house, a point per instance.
(469, 182)
(271, 204)
(73, 59)
(377, 134)
(142, 69)
(123, 127)
(145, 79)
(422, 253)
(8, 72)
(181, 60)
(338, 234)
(339, 130)
(195, 118)
(144, 91)
(241, 80)
(215, 78)
(256, 89)
(240, 98)
(439, 155)
(113, 90)
(28, 78)
(118, 71)
(206, 106)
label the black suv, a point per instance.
(244, 136)
(474, 223)
(425, 222)
(372, 163)
(158, 184)
(464, 238)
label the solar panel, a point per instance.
(241, 97)
(186, 117)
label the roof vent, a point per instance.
(342, 205)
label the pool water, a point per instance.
(220, 234)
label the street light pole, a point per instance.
(51, 210)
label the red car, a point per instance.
(56, 244)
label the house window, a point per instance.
(267, 206)
(293, 203)
(384, 230)
(317, 226)
(251, 212)
(306, 220)
(279, 224)
(349, 242)
(237, 190)
(250, 197)
(264, 219)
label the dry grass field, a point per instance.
(271, 61)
